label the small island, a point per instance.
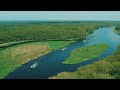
(86, 53)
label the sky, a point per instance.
(60, 15)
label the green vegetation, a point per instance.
(3, 45)
(55, 45)
(107, 68)
(43, 38)
(117, 29)
(42, 32)
(14, 56)
(82, 54)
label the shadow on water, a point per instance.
(51, 64)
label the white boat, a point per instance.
(84, 40)
(63, 49)
(34, 65)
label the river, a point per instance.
(51, 64)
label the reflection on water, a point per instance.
(51, 64)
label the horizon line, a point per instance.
(59, 20)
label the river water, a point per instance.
(51, 64)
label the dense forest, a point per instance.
(44, 32)
(47, 31)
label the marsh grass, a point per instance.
(13, 57)
(82, 54)
(55, 45)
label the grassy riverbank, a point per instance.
(8, 44)
(117, 29)
(14, 56)
(82, 54)
(55, 45)
(107, 68)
